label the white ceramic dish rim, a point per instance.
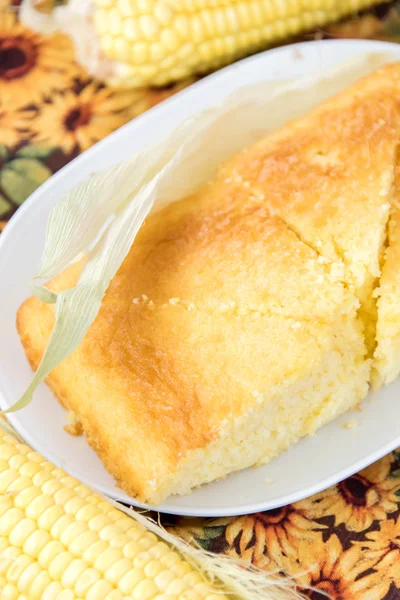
(12, 227)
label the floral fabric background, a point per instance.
(345, 541)
(50, 109)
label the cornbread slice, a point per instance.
(330, 176)
(222, 339)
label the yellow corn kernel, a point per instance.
(50, 517)
(21, 532)
(86, 581)
(39, 585)
(122, 48)
(115, 22)
(9, 520)
(59, 564)
(100, 590)
(169, 39)
(100, 20)
(126, 7)
(28, 575)
(53, 591)
(145, 590)
(139, 53)
(36, 542)
(76, 568)
(17, 461)
(163, 14)
(148, 26)
(17, 568)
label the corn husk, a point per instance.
(237, 578)
(101, 217)
(76, 20)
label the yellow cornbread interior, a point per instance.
(245, 317)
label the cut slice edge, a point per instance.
(386, 365)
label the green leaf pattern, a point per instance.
(21, 173)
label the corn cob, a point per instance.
(159, 41)
(61, 541)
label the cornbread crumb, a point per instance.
(74, 426)
(268, 481)
(75, 429)
(350, 424)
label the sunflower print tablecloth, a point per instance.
(344, 541)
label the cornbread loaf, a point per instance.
(250, 314)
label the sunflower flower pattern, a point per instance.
(269, 539)
(358, 501)
(50, 109)
(342, 543)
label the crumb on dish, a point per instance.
(74, 426)
(350, 424)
